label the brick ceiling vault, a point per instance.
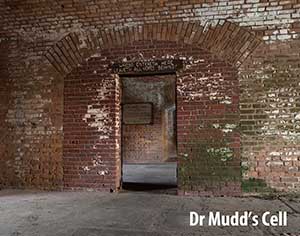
(229, 41)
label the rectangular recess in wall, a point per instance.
(138, 113)
(147, 67)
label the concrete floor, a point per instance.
(163, 173)
(30, 213)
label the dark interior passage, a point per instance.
(149, 129)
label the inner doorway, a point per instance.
(149, 142)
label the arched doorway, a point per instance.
(207, 94)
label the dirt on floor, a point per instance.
(32, 213)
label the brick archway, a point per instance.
(230, 42)
(224, 46)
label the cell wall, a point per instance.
(32, 100)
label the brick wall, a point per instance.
(207, 97)
(6, 174)
(34, 33)
(270, 115)
(91, 128)
(208, 128)
(32, 124)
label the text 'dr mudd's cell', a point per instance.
(246, 218)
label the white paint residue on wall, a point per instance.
(209, 85)
(98, 167)
(99, 118)
(256, 16)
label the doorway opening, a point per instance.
(149, 142)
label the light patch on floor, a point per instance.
(164, 173)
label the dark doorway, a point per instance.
(149, 143)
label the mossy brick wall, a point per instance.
(91, 112)
(32, 85)
(208, 129)
(270, 115)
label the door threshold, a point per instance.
(149, 187)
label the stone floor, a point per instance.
(33, 213)
(162, 173)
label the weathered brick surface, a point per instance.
(225, 39)
(270, 115)
(32, 134)
(207, 127)
(43, 42)
(6, 173)
(91, 128)
(207, 97)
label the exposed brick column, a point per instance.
(270, 115)
(6, 173)
(208, 129)
(91, 128)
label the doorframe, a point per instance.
(175, 74)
